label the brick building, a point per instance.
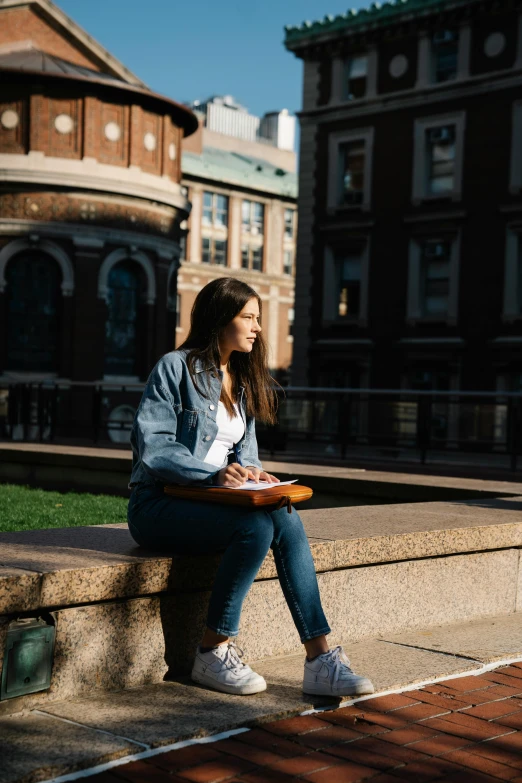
(242, 224)
(90, 205)
(409, 262)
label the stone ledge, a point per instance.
(107, 470)
(71, 566)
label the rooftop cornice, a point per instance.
(367, 20)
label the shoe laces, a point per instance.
(232, 657)
(341, 664)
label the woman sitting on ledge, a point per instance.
(195, 425)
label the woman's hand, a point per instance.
(256, 474)
(232, 475)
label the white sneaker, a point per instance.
(223, 670)
(330, 675)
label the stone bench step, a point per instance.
(124, 617)
(102, 727)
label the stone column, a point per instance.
(163, 342)
(338, 79)
(195, 224)
(310, 84)
(274, 238)
(518, 60)
(423, 61)
(304, 256)
(87, 325)
(273, 327)
(464, 52)
(371, 78)
(234, 232)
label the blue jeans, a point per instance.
(188, 527)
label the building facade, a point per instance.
(90, 205)
(243, 224)
(409, 256)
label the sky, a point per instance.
(191, 49)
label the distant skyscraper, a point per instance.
(223, 114)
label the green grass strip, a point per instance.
(23, 508)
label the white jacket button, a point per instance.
(207, 437)
(212, 407)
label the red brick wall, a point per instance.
(22, 24)
(36, 130)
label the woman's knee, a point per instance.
(287, 524)
(256, 526)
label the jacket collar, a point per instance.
(201, 366)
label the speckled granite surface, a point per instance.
(81, 565)
(28, 754)
(492, 639)
(163, 713)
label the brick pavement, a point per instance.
(464, 730)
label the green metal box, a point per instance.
(28, 658)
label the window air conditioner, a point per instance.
(444, 135)
(444, 37)
(434, 250)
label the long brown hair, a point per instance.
(218, 303)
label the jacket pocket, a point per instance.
(189, 425)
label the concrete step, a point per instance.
(125, 617)
(96, 729)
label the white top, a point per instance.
(230, 431)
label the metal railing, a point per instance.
(313, 421)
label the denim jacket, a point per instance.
(175, 425)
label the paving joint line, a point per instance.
(149, 753)
(91, 728)
(431, 650)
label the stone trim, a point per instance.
(119, 255)
(45, 246)
(35, 168)
(334, 142)
(420, 162)
(91, 236)
(415, 98)
(414, 312)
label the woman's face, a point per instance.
(241, 332)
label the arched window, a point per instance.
(33, 309)
(121, 339)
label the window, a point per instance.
(122, 316)
(356, 77)
(220, 252)
(352, 172)
(253, 217)
(215, 209)
(440, 143)
(438, 157)
(433, 279)
(33, 301)
(445, 54)
(288, 262)
(214, 251)
(512, 309)
(178, 309)
(350, 169)
(348, 286)
(289, 223)
(291, 318)
(436, 277)
(252, 257)
(257, 258)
